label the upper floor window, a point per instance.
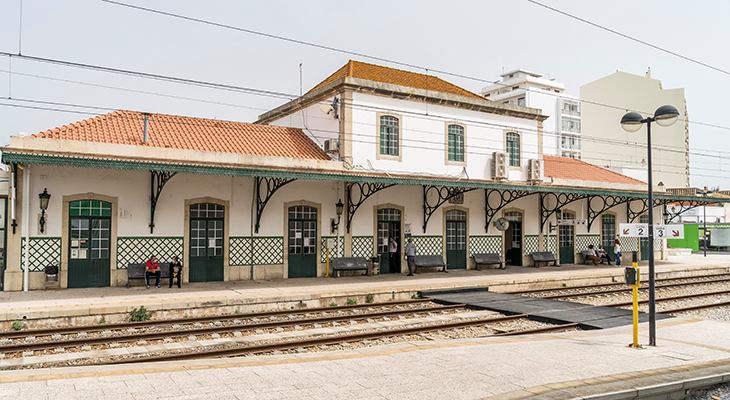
(521, 101)
(513, 148)
(389, 135)
(456, 142)
(571, 125)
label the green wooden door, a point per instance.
(3, 242)
(566, 240)
(513, 238)
(302, 242)
(456, 239)
(89, 260)
(206, 243)
(389, 226)
(608, 235)
(644, 242)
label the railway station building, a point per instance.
(370, 153)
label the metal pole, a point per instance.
(704, 229)
(652, 305)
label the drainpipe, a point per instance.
(26, 223)
(13, 194)
(146, 127)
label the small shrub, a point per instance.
(369, 298)
(140, 314)
(186, 316)
(102, 320)
(236, 311)
(565, 285)
(416, 296)
(333, 304)
(17, 325)
(351, 302)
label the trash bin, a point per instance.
(374, 266)
(52, 277)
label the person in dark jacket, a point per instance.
(176, 271)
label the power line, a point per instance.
(692, 60)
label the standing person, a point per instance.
(152, 267)
(617, 251)
(393, 252)
(410, 256)
(175, 271)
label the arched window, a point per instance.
(389, 131)
(456, 142)
(513, 148)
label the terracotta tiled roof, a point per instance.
(571, 168)
(356, 69)
(188, 133)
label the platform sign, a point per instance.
(660, 231)
(572, 222)
(675, 231)
(634, 230)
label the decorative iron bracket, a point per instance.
(157, 182)
(270, 186)
(631, 215)
(603, 203)
(501, 198)
(561, 199)
(355, 198)
(685, 206)
(444, 194)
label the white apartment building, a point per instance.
(562, 129)
(606, 144)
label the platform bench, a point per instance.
(586, 260)
(349, 264)
(544, 256)
(136, 271)
(488, 259)
(431, 261)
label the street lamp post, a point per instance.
(704, 193)
(632, 122)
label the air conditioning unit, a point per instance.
(499, 165)
(332, 146)
(534, 171)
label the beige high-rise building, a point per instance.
(606, 144)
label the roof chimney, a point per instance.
(146, 127)
(648, 72)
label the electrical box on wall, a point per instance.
(534, 171)
(499, 165)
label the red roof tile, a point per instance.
(571, 168)
(361, 70)
(188, 133)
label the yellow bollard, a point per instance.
(634, 281)
(327, 271)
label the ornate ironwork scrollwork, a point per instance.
(631, 215)
(561, 200)
(604, 203)
(158, 181)
(685, 206)
(501, 198)
(355, 198)
(444, 194)
(269, 186)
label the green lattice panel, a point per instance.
(339, 243)
(485, 244)
(582, 241)
(239, 251)
(658, 245)
(629, 244)
(428, 245)
(532, 244)
(551, 243)
(268, 250)
(41, 252)
(362, 246)
(132, 250)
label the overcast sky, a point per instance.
(479, 39)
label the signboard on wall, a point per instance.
(660, 231)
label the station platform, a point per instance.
(690, 352)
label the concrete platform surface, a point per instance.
(595, 364)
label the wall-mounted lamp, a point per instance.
(339, 207)
(44, 197)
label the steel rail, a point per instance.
(289, 345)
(624, 289)
(663, 299)
(531, 291)
(699, 307)
(188, 321)
(556, 328)
(210, 330)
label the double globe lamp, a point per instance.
(632, 122)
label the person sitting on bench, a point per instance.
(592, 255)
(152, 267)
(603, 255)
